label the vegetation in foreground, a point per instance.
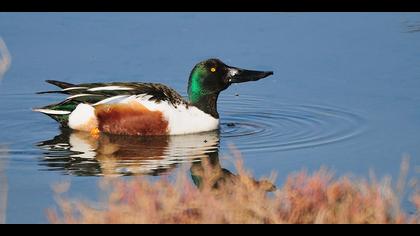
(220, 198)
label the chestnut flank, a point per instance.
(130, 119)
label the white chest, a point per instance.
(190, 120)
(182, 119)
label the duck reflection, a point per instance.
(80, 153)
(216, 176)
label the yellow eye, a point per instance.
(213, 69)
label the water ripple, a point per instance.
(255, 127)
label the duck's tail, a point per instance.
(58, 111)
(60, 84)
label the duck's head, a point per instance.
(208, 78)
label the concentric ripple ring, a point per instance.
(255, 127)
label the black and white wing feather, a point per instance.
(92, 93)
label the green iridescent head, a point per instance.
(208, 78)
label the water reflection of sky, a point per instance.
(3, 184)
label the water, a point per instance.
(344, 94)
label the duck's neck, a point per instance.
(200, 97)
(206, 103)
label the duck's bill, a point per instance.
(237, 75)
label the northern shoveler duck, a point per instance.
(148, 108)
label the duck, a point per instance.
(147, 109)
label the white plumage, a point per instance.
(181, 119)
(83, 118)
(109, 88)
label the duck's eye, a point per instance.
(213, 69)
